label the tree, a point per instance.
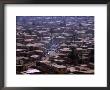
(73, 57)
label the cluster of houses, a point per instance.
(43, 44)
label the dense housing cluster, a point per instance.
(54, 44)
